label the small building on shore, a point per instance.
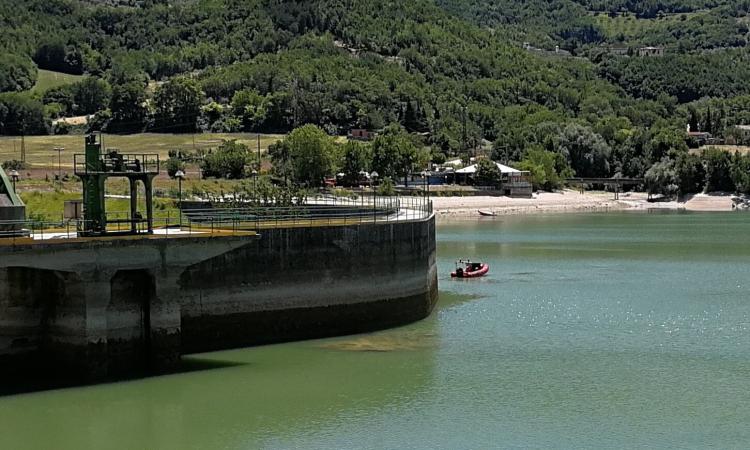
(513, 182)
(697, 139)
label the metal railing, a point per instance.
(317, 211)
(23, 230)
(118, 163)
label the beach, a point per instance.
(572, 201)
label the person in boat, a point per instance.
(467, 268)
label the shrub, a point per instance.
(174, 164)
(387, 187)
(14, 164)
(226, 161)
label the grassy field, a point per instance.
(39, 153)
(45, 199)
(48, 79)
(48, 206)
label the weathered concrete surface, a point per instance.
(107, 307)
(97, 307)
(310, 282)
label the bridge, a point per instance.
(616, 183)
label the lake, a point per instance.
(605, 330)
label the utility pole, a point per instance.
(59, 151)
(259, 164)
(180, 175)
(23, 147)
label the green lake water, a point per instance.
(616, 330)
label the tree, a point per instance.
(308, 153)
(718, 171)
(177, 105)
(55, 55)
(662, 179)
(690, 173)
(61, 95)
(281, 160)
(741, 172)
(393, 153)
(488, 174)
(665, 142)
(251, 108)
(128, 108)
(693, 121)
(226, 161)
(587, 152)
(548, 169)
(357, 158)
(90, 95)
(20, 114)
(16, 73)
(439, 158)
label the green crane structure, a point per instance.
(94, 167)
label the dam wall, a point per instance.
(95, 308)
(310, 282)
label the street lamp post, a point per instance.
(426, 177)
(373, 176)
(255, 181)
(59, 151)
(14, 178)
(180, 175)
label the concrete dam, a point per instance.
(101, 307)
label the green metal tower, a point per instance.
(94, 167)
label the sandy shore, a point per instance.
(571, 201)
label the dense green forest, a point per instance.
(582, 25)
(453, 72)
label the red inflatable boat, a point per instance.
(470, 269)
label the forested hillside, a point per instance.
(452, 70)
(580, 25)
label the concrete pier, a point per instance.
(100, 308)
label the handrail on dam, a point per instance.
(318, 211)
(233, 219)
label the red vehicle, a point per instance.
(470, 269)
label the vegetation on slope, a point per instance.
(275, 65)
